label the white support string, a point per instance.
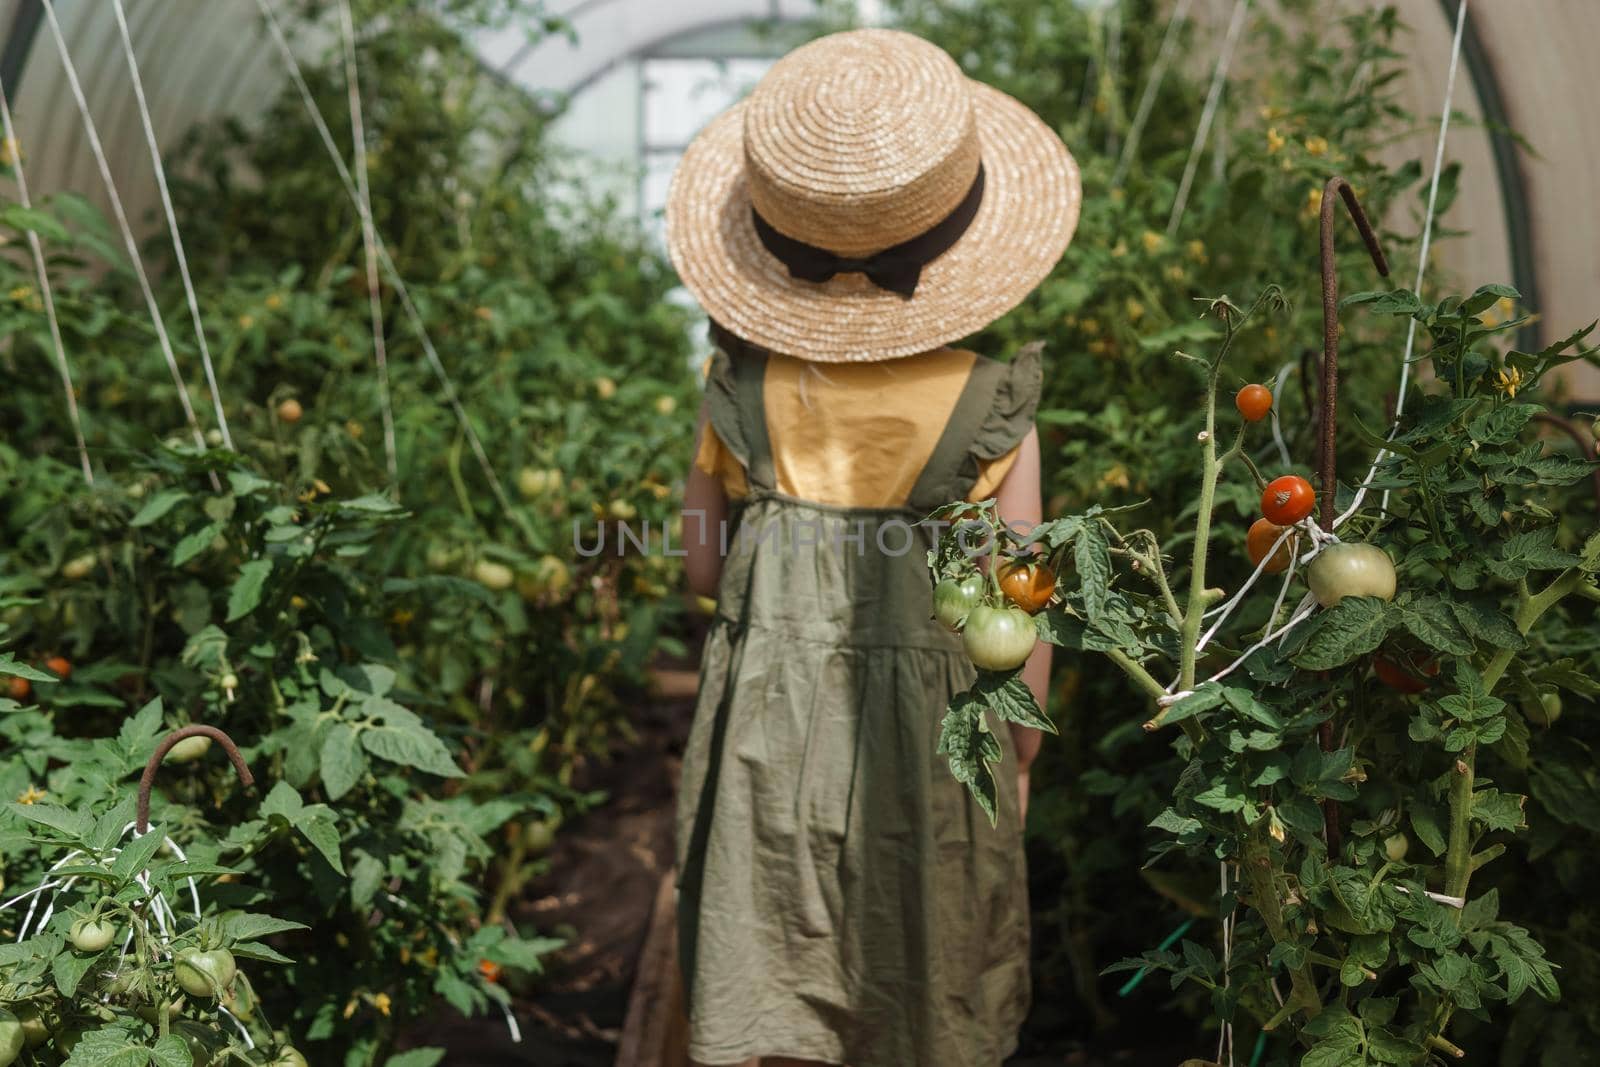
(1152, 88)
(412, 314)
(1277, 405)
(128, 240)
(1422, 261)
(172, 221)
(1219, 78)
(358, 137)
(46, 294)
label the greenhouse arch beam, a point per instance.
(19, 42)
(1508, 167)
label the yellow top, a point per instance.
(854, 434)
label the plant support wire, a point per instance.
(46, 294)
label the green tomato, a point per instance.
(188, 750)
(289, 1056)
(34, 1031)
(1396, 846)
(1351, 569)
(999, 639)
(203, 1043)
(954, 599)
(492, 575)
(540, 834)
(11, 1038)
(1546, 712)
(152, 1015)
(92, 935)
(205, 974)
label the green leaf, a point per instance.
(1343, 633)
(68, 969)
(26, 218)
(417, 1057)
(342, 763)
(137, 854)
(246, 926)
(1431, 620)
(1009, 697)
(411, 746)
(1092, 557)
(195, 543)
(157, 506)
(10, 665)
(246, 591)
(960, 739)
(69, 822)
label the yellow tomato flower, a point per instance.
(1176, 273)
(246, 321)
(1135, 310)
(1317, 146)
(382, 1002)
(1313, 203)
(274, 302)
(1197, 251)
(1275, 140)
(1153, 242)
(1508, 381)
(32, 796)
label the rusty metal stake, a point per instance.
(1327, 470)
(147, 780)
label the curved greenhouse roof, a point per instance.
(639, 77)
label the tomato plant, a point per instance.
(1378, 956)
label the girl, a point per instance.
(841, 899)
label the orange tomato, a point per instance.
(490, 970)
(1259, 541)
(1287, 500)
(18, 688)
(1253, 402)
(1408, 674)
(60, 666)
(1027, 584)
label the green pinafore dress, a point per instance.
(841, 898)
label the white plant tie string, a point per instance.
(128, 240)
(412, 314)
(1422, 261)
(1152, 89)
(1219, 78)
(1225, 1035)
(46, 294)
(369, 241)
(1277, 404)
(172, 221)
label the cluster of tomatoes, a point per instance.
(998, 633)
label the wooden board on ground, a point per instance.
(656, 1033)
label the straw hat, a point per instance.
(869, 201)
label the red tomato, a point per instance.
(1027, 584)
(1253, 402)
(1287, 500)
(1263, 535)
(1408, 674)
(18, 689)
(60, 666)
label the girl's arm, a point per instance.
(1019, 504)
(704, 509)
